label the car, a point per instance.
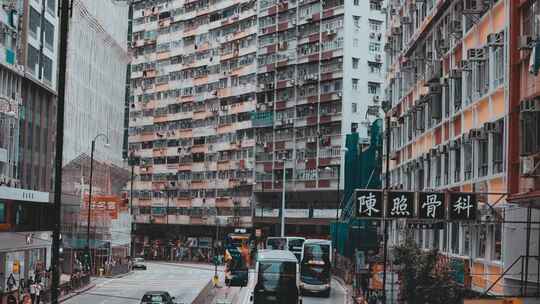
(157, 297)
(138, 264)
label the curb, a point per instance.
(119, 276)
(202, 297)
(76, 293)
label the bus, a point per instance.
(276, 278)
(316, 267)
(291, 243)
(237, 259)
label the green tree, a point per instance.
(424, 280)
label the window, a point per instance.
(354, 107)
(375, 25)
(374, 87)
(51, 6)
(355, 62)
(34, 22)
(374, 67)
(356, 2)
(33, 59)
(355, 84)
(481, 239)
(454, 238)
(466, 247)
(483, 157)
(375, 5)
(356, 20)
(48, 30)
(374, 47)
(2, 213)
(496, 238)
(355, 42)
(498, 145)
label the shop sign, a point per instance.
(297, 213)
(270, 212)
(369, 204)
(463, 206)
(325, 213)
(431, 205)
(400, 204)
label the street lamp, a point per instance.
(93, 147)
(283, 201)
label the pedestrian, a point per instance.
(39, 288)
(32, 290)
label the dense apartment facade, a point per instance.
(320, 75)
(222, 92)
(454, 126)
(27, 110)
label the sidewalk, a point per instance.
(93, 282)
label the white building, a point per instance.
(97, 59)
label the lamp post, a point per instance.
(131, 161)
(283, 201)
(93, 147)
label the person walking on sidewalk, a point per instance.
(39, 288)
(32, 291)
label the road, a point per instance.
(184, 283)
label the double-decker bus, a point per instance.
(291, 243)
(315, 267)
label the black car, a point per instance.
(157, 297)
(138, 264)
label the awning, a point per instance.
(15, 241)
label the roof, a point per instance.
(157, 292)
(276, 255)
(317, 241)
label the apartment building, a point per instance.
(449, 84)
(320, 75)
(193, 81)
(223, 92)
(27, 107)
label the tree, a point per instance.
(423, 278)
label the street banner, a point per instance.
(431, 206)
(463, 206)
(369, 203)
(400, 204)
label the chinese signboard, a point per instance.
(462, 206)
(369, 204)
(431, 206)
(400, 204)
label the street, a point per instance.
(184, 283)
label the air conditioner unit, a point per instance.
(528, 166)
(454, 144)
(455, 26)
(393, 124)
(406, 20)
(495, 39)
(372, 35)
(476, 134)
(476, 54)
(396, 31)
(454, 74)
(376, 98)
(525, 42)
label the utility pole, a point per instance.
(131, 162)
(283, 202)
(59, 143)
(386, 187)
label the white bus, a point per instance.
(291, 243)
(316, 267)
(276, 278)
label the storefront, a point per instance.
(23, 256)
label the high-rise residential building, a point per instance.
(454, 86)
(28, 59)
(320, 75)
(222, 91)
(193, 83)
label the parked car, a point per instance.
(138, 264)
(157, 297)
